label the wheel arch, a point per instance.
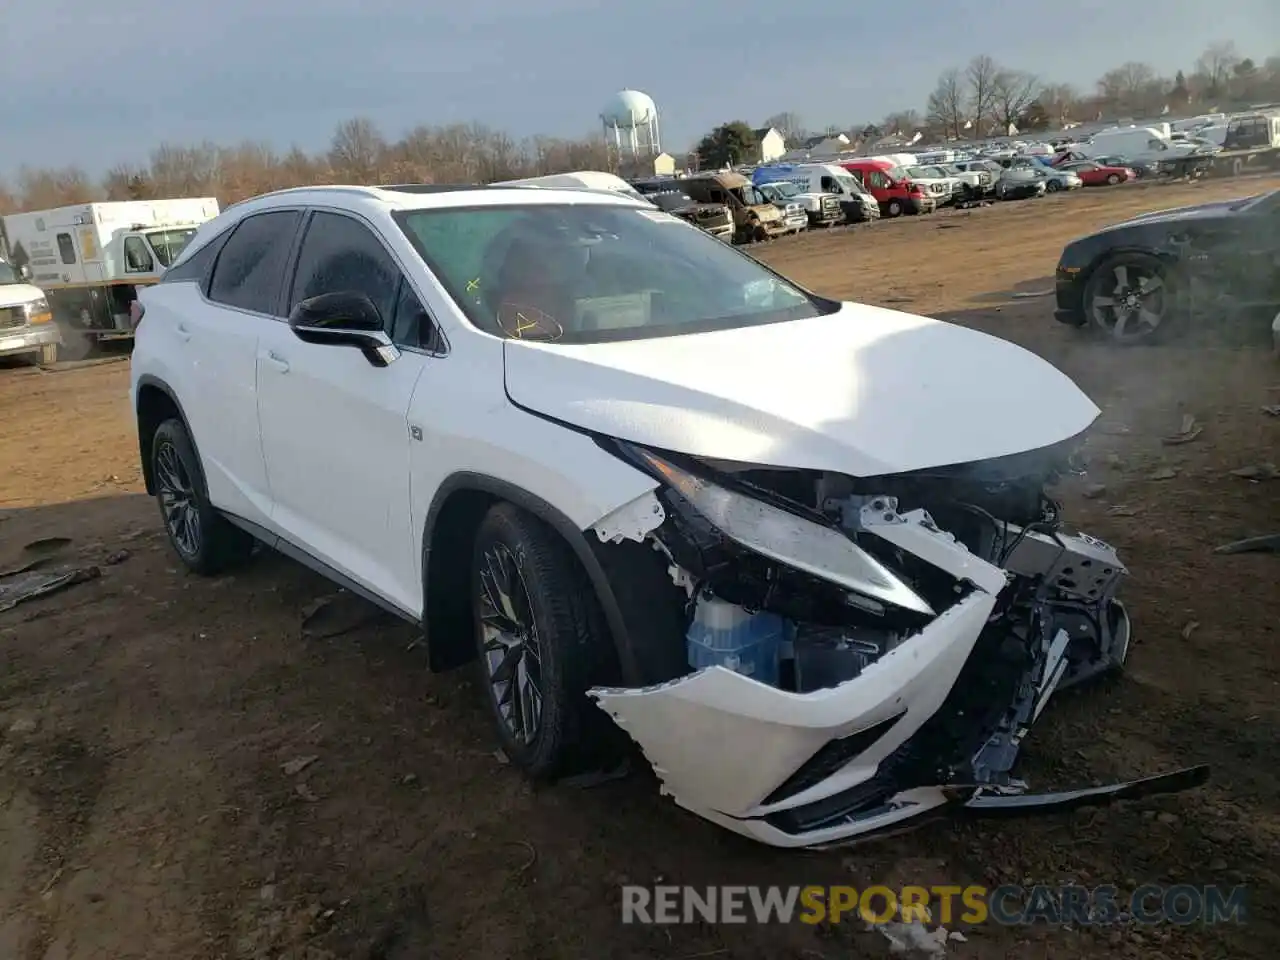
(154, 403)
(452, 520)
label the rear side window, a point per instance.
(250, 267)
(66, 248)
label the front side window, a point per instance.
(137, 258)
(588, 273)
(249, 270)
(341, 255)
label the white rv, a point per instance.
(581, 180)
(90, 259)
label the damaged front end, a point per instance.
(861, 651)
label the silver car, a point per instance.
(1021, 183)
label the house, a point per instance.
(770, 145)
(817, 148)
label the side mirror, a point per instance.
(344, 319)
(24, 272)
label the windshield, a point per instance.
(9, 274)
(749, 195)
(591, 272)
(921, 173)
(851, 185)
(785, 190)
(169, 243)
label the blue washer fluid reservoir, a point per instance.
(723, 634)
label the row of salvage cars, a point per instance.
(649, 485)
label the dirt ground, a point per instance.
(152, 723)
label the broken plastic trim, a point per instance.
(984, 803)
(818, 549)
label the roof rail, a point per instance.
(360, 191)
(450, 187)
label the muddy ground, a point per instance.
(147, 716)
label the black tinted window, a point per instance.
(66, 248)
(250, 267)
(340, 254)
(411, 326)
(197, 265)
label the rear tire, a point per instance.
(543, 643)
(204, 540)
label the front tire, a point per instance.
(1130, 299)
(48, 355)
(542, 643)
(205, 541)
(1053, 186)
(893, 208)
(1113, 179)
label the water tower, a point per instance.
(631, 125)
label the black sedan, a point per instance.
(1136, 280)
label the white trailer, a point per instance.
(91, 258)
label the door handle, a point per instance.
(183, 332)
(277, 361)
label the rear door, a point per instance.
(214, 334)
(335, 428)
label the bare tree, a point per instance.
(946, 103)
(1011, 93)
(1216, 64)
(1129, 87)
(1060, 102)
(902, 121)
(356, 150)
(981, 76)
(789, 125)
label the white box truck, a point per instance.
(91, 258)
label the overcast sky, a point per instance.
(94, 84)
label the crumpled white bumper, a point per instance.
(721, 742)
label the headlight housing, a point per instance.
(821, 551)
(37, 311)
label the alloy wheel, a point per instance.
(1129, 305)
(513, 656)
(177, 500)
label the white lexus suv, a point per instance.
(800, 551)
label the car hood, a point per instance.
(864, 391)
(16, 294)
(1197, 212)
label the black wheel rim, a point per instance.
(510, 644)
(1128, 301)
(177, 500)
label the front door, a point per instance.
(335, 431)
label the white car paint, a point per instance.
(721, 742)
(865, 391)
(343, 460)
